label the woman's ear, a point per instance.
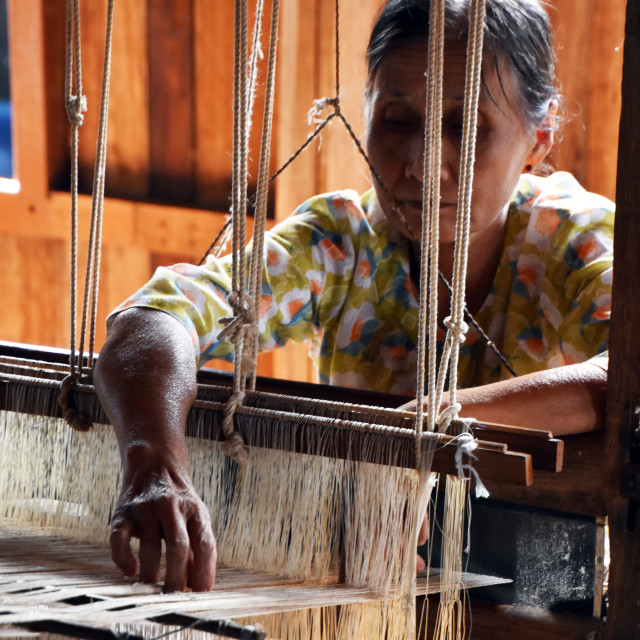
(544, 137)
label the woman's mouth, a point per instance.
(417, 204)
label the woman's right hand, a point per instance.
(146, 382)
(159, 503)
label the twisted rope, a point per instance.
(456, 324)
(241, 328)
(427, 324)
(262, 192)
(76, 106)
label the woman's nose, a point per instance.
(414, 166)
(448, 161)
(415, 162)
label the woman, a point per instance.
(342, 273)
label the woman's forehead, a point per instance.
(402, 74)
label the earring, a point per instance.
(528, 168)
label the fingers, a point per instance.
(177, 546)
(178, 517)
(420, 563)
(150, 554)
(120, 543)
(203, 546)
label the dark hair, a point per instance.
(516, 31)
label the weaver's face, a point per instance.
(394, 112)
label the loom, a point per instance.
(88, 593)
(351, 439)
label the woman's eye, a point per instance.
(452, 128)
(397, 123)
(398, 119)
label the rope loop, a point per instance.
(76, 108)
(458, 330)
(234, 444)
(78, 421)
(320, 105)
(447, 415)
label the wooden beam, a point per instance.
(623, 409)
(171, 129)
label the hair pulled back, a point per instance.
(517, 32)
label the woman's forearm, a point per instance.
(565, 400)
(146, 380)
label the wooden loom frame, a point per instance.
(622, 420)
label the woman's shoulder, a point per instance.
(554, 216)
(344, 212)
(559, 191)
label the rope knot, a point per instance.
(72, 416)
(233, 444)
(241, 305)
(458, 330)
(319, 106)
(76, 107)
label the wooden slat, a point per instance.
(93, 16)
(57, 133)
(129, 127)
(623, 402)
(577, 489)
(29, 123)
(289, 429)
(605, 77)
(508, 468)
(171, 100)
(38, 285)
(546, 451)
(213, 42)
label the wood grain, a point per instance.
(623, 436)
(171, 127)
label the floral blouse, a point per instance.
(333, 278)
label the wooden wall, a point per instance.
(169, 146)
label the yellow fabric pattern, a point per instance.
(333, 278)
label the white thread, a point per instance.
(466, 445)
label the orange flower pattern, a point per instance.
(333, 278)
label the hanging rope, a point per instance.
(427, 324)
(260, 218)
(457, 327)
(242, 327)
(76, 106)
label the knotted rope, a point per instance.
(241, 327)
(429, 272)
(427, 323)
(76, 106)
(457, 325)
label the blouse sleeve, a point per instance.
(307, 270)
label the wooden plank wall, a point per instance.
(170, 136)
